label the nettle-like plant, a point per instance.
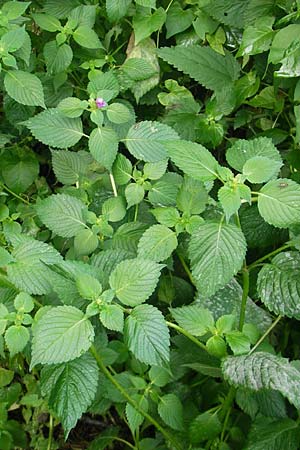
(139, 213)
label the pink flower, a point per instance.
(100, 103)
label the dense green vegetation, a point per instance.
(150, 224)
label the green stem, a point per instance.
(227, 403)
(269, 255)
(14, 194)
(135, 405)
(187, 270)
(50, 432)
(116, 438)
(273, 325)
(187, 334)
(244, 297)
(113, 184)
(136, 212)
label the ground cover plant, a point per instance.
(150, 224)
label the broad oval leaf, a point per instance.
(171, 411)
(157, 243)
(263, 370)
(24, 87)
(62, 214)
(194, 319)
(147, 335)
(62, 334)
(134, 280)
(278, 284)
(217, 251)
(146, 140)
(279, 202)
(103, 145)
(71, 388)
(52, 128)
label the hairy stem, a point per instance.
(273, 325)
(187, 334)
(135, 405)
(244, 297)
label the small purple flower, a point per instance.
(100, 103)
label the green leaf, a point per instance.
(178, 19)
(6, 377)
(257, 38)
(260, 169)
(135, 419)
(230, 200)
(270, 434)
(71, 388)
(283, 39)
(71, 107)
(263, 370)
(229, 12)
(31, 272)
(114, 209)
(62, 334)
(279, 202)
(241, 151)
(47, 22)
(194, 319)
(204, 427)
(14, 9)
(112, 317)
(24, 302)
(216, 346)
(166, 216)
(106, 261)
(70, 166)
(209, 68)
(20, 168)
(192, 196)
(217, 251)
(86, 37)
(103, 145)
(171, 411)
(145, 24)
(52, 128)
(5, 257)
(57, 58)
(88, 286)
(278, 284)
(118, 113)
(85, 242)
(157, 243)
(147, 140)
(122, 169)
(13, 40)
(101, 83)
(63, 214)
(155, 170)
(238, 342)
(116, 9)
(137, 69)
(147, 336)
(134, 280)
(194, 159)
(134, 194)
(16, 338)
(159, 376)
(24, 87)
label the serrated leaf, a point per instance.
(114, 209)
(137, 68)
(145, 24)
(57, 58)
(268, 434)
(69, 166)
(52, 128)
(192, 196)
(122, 169)
(47, 22)
(166, 216)
(157, 243)
(258, 37)
(63, 214)
(264, 371)
(20, 168)
(116, 9)
(112, 317)
(279, 202)
(278, 284)
(147, 335)
(5, 257)
(260, 169)
(103, 145)
(71, 388)
(171, 411)
(106, 261)
(194, 159)
(206, 66)
(238, 342)
(134, 194)
(31, 272)
(71, 107)
(85, 242)
(204, 427)
(230, 200)
(101, 82)
(194, 319)
(243, 150)
(118, 113)
(12, 40)
(178, 19)
(86, 37)
(217, 251)
(16, 338)
(14, 9)
(134, 417)
(147, 140)
(88, 286)
(62, 334)
(134, 280)
(24, 87)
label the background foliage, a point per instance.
(149, 224)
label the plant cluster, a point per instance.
(150, 223)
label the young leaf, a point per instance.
(118, 113)
(217, 251)
(85, 242)
(63, 214)
(71, 107)
(103, 145)
(264, 371)
(230, 200)
(71, 388)
(134, 194)
(86, 37)
(278, 284)
(171, 411)
(204, 427)
(122, 169)
(178, 19)
(166, 216)
(147, 140)
(88, 286)
(112, 317)
(147, 335)
(238, 342)
(135, 419)
(194, 159)
(114, 209)
(279, 202)
(47, 22)
(16, 337)
(194, 319)
(24, 302)
(134, 280)
(157, 243)
(24, 87)
(62, 334)
(57, 58)
(52, 128)
(260, 169)
(145, 24)
(206, 66)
